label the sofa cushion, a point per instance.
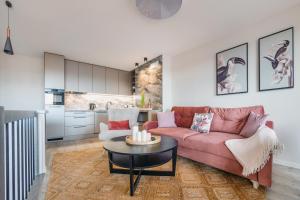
(184, 115)
(213, 143)
(202, 122)
(166, 119)
(177, 133)
(254, 121)
(232, 120)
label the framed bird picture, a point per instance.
(232, 70)
(276, 60)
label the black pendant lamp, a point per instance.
(8, 47)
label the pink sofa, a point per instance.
(210, 148)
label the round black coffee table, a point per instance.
(135, 159)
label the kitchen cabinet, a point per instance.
(112, 81)
(85, 78)
(54, 71)
(79, 130)
(124, 83)
(71, 76)
(99, 82)
(79, 123)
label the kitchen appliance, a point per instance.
(92, 106)
(54, 97)
(55, 113)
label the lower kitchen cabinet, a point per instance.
(79, 130)
(79, 123)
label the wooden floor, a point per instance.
(286, 180)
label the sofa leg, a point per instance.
(255, 184)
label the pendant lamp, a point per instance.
(8, 47)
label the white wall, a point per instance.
(193, 82)
(21, 82)
(167, 83)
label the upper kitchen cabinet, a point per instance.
(54, 71)
(71, 76)
(99, 81)
(112, 81)
(85, 77)
(125, 83)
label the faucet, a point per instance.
(107, 104)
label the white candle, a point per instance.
(144, 137)
(144, 132)
(148, 137)
(139, 136)
(134, 136)
(135, 129)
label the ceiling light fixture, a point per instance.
(8, 47)
(158, 9)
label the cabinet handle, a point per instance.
(79, 126)
(79, 117)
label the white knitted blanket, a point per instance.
(254, 152)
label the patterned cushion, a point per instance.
(202, 122)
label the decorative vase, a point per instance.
(142, 103)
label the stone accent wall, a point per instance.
(149, 79)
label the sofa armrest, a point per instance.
(270, 124)
(265, 174)
(150, 125)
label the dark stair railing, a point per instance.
(18, 153)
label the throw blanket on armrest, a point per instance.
(254, 152)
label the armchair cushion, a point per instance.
(119, 114)
(130, 114)
(118, 125)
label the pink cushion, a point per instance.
(166, 119)
(184, 115)
(213, 143)
(253, 123)
(232, 120)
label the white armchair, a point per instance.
(130, 114)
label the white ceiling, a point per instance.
(114, 33)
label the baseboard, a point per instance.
(287, 164)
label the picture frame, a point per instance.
(276, 60)
(232, 70)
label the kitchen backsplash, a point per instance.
(82, 101)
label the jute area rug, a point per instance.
(84, 175)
